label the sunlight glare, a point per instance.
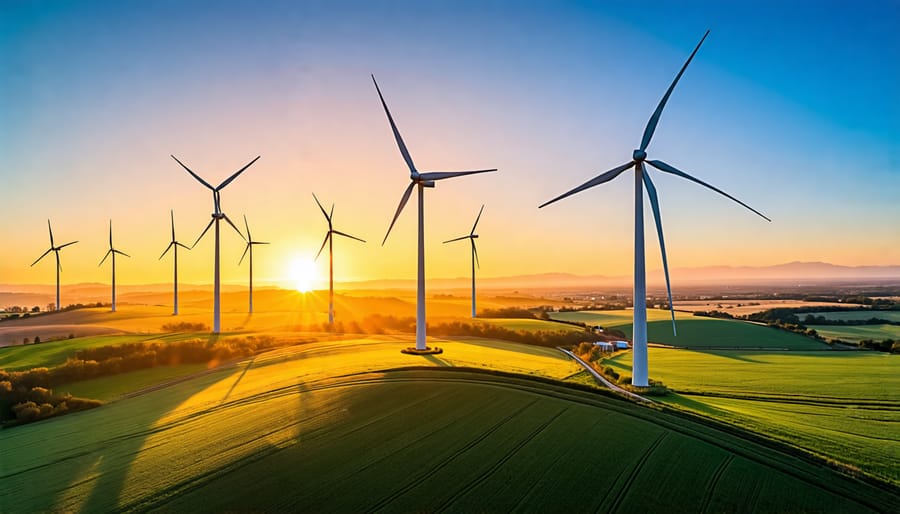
(303, 274)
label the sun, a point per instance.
(303, 274)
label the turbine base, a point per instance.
(429, 350)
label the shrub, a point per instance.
(184, 326)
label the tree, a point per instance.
(51, 307)
(35, 309)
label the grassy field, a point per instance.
(320, 428)
(113, 387)
(530, 325)
(842, 405)
(858, 315)
(696, 332)
(859, 332)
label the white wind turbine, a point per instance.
(330, 240)
(112, 251)
(174, 244)
(55, 249)
(641, 178)
(471, 237)
(249, 248)
(217, 216)
(420, 181)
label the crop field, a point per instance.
(745, 306)
(696, 332)
(859, 332)
(858, 315)
(530, 325)
(113, 387)
(841, 405)
(321, 428)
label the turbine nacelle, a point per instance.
(639, 155)
(218, 215)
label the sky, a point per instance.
(791, 106)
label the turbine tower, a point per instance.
(249, 248)
(112, 251)
(642, 178)
(217, 216)
(472, 237)
(330, 240)
(55, 249)
(419, 181)
(174, 244)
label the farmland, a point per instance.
(530, 325)
(858, 332)
(841, 405)
(696, 332)
(859, 315)
(405, 440)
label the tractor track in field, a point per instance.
(445, 462)
(448, 502)
(635, 471)
(714, 481)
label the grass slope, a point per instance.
(842, 405)
(696, 332)
(319, 428)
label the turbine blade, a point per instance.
(172, 215)
(476, 220)
(41, 257)
(236, 173)
(327, 235)
(338, 232)
(327, 217)
(654, 203)
(121, 253)
(441, 175)
(58, 263)
(204, 232)
(475, 253)
(246, 248)
(205, 183)
(605, 177)
(674, 171)
(60, 247)
(49, 228)
(234, 226)
(186, 247)
(173, 243)
(457, 239)
(110, 234)
(400, 143)
(249, 237)
(654, 119)
(331, 213)
(108, 252)
(259, 243)
(400, 207)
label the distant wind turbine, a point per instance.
(471, 237)
(174, 244)
(330, 240)
(55, 249)
(419, 181)
(249, 248)
(217, 216)
(112, 251)
(641, 178)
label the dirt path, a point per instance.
(601, 379)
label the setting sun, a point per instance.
(303, 275)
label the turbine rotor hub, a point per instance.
(218, 215)
(639, 155)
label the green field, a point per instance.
(112, 387)
(696, 332)
(859, 332)
(320, 429)
(530, 325)
(857, 315)
(842, 405)
(54, 353)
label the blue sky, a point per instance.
(792, 107)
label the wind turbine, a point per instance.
(330, 240)
(249, 248)
(471, 237)
(55, 249)
(174, 244)
(112, 251)
(217, 216)
(419, 181)
(641, 178)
